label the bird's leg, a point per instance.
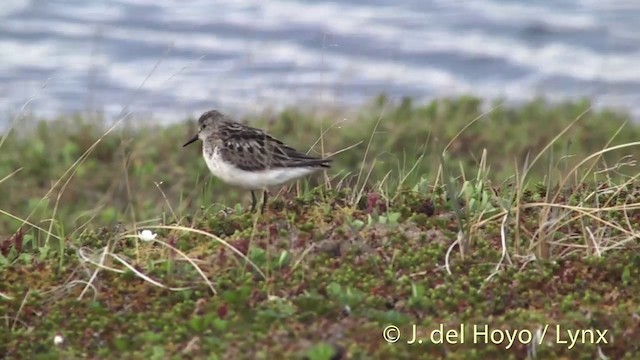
(254, 201)
(265, 196)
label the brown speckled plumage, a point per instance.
(252, 149)
(248, 157)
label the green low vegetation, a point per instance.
(450, 216)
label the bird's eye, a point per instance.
(204, 126)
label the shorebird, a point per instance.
(250, 158)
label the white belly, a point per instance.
(259, 180)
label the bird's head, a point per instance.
(206, 125)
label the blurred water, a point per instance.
(172, 58)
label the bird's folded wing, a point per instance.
(252, 149)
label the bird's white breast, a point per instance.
(251, 180)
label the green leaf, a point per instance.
(394, 217)
(357, 224)
(158, 353)
(3, 260)
(257, 255)
(284, 258)
(322, 351)
(334, 290)
(417, 290)
(626, 275)
(197, 323)
(220, 324)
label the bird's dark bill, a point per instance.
(193, 139)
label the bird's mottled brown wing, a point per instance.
(252, 149)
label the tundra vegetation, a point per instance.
(519, 220)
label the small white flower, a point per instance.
(58, 340)
(147, 235)
(347, 310)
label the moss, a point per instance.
(341, 261)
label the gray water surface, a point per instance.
(182, 57)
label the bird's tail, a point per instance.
(315, 163)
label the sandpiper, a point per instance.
(250, 158)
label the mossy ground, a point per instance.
(336, 263)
